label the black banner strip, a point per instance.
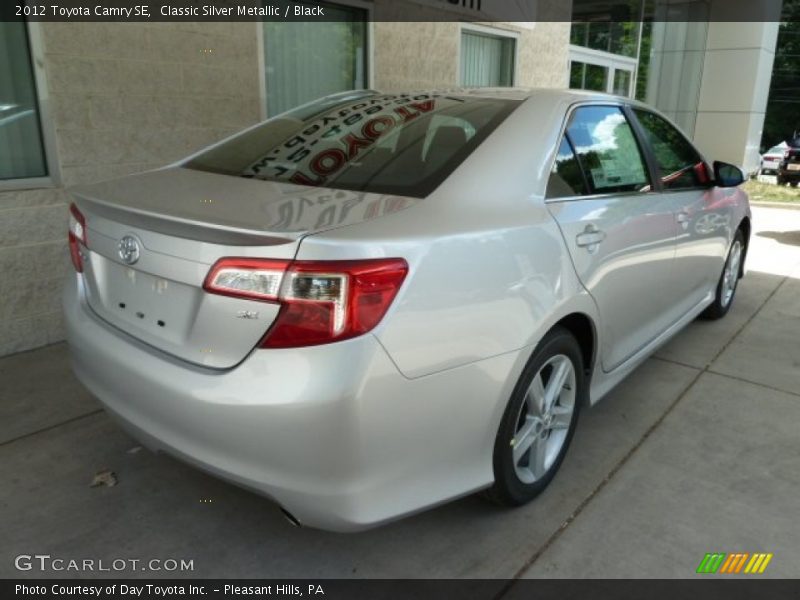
(518, 11)
(705, 587)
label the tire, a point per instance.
(780, 180)
(728, 280)
(547, 436)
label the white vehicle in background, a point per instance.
(771, 159)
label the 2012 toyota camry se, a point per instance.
(376, 303)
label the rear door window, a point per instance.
(680, 165)
(607, 150)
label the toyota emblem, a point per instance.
(129, 249)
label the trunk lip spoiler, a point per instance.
(183, 227)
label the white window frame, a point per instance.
(369, 7)
(613, 62)
(53, 177)
(494, 32)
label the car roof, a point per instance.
(521, 93)
(516, 94)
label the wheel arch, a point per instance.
(582, 327)
(746, 228)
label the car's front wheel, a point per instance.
(539, 421)
(728, 281)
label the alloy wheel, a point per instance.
(731, 275)
(544, 419)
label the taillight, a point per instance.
(330, 301)
(76, 236)
(321, 301)
(246, 278)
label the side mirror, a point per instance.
(727, 175)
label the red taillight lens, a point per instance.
(322, 301)
(330, 301)
(76, 236)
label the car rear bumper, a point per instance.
(789, 169)
(334, 433)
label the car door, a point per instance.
(619, 232)
(704, 213)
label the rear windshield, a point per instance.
(392, 144)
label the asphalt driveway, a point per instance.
(698, 451)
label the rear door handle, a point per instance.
(590, 238)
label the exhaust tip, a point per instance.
(290, 517)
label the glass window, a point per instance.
(586, 76)
(486, 60)
(643, 69)
(607, 36)
(566, 178)
(305, 60)
(21, 149)
(392, 144)
(622, 82)
(445, 121)
(607, 150)
(679, 163)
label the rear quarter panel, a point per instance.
(489, 273)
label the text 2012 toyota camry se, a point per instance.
(379, 302)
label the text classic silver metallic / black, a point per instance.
(376, 303)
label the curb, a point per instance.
(788, 205)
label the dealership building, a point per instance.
(86, 101)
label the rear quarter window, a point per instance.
(566, 178)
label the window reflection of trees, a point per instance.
(676, 159)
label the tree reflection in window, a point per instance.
(679, 163)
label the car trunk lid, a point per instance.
(180, 222)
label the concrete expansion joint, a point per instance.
(51, 427)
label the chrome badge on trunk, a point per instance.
(129, 249)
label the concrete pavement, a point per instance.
(696, 452)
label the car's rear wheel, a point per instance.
(539, 420)
(728, 281)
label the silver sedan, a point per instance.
(376, 303)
